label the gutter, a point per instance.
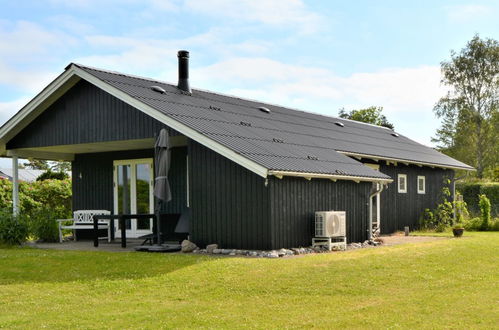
(333, 177)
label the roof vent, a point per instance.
(278, 140)
(183, 71)
(395, 134)
(339, 123)
(215, 108)
(158, 89)
(243, 123)
(312, 157)
(264, 109)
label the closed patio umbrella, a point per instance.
(161, 167)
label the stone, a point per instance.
(281, 252)
(211, 247)
(272, 254)
(232, 253)
(217, 251)
(187, 246)
(227, 251)
(295, 251)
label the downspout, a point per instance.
(376, 193)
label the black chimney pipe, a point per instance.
(183, 71)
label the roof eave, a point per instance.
(333, 177)
(405, 161)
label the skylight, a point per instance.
(158, 89)
(264, 109)
(338, 123)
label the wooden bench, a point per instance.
(83, 219)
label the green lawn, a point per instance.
(451, 283)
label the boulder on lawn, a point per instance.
(187, 246)
(211, 247)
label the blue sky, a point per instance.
(317, 56)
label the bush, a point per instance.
(473, 224)
(13, 229)
(471, 191)
(49, 175)
(484, 211)
(494, 225)
(427, 220)
(43, 224)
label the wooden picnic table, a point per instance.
(122, 222)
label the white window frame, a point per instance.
(422, 177)
(402, 191)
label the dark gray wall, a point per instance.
(86, 114)
(229, 204)
(95, 189)
(293, 202)
(404, 209)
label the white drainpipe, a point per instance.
(376, 193)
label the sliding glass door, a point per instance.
(133, 193)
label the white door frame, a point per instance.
(378, 199)
(133, 232)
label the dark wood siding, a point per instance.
(95, 188)
(229, 204)
(295, 200)
(86, 114)
(404, 209)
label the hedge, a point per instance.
(470, 192)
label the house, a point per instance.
(24, 174)
(252, 174)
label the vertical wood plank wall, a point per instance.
(87, 114)
(229, 204)
(293, 202)
(404, 209)
(95, 188)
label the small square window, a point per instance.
(421, 185)
(402, 183)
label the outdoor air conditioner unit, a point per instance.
(330, 224)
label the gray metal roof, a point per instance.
(282, 140)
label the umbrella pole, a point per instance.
(158, 225)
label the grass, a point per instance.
(449, 283)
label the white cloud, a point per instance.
(407, 94)
(30, 81)
(8, 109)
(463, 13)
(26, 41)
(289, 13)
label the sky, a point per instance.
(317, 56)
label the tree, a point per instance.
(37, 164)
(371, 115)
(469, 111)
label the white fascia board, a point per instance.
(187, 131)
(40, 155)
(12, 126)
(402, 161)
(280, 174)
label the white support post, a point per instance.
(15, 185)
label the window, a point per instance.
(421, 184)
(402, 183)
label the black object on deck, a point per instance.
(122, 221)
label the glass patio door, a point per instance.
(133, 194)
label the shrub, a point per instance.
(494, 225)
(484, 212)
(471, 191)
(13, 229)
(427, 220)
(49, 175)
(43, 224)
(473, 224)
